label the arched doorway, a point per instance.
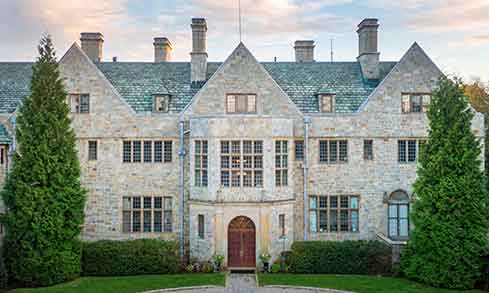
(241, 242)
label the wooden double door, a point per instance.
(241, 242)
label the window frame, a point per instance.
(281, 225)
(235, 167)
(332, 102)
(299, 150)
(281, 163)
(157, 99)
(407, 105)
(368, 149)
(201, 172)
(338, 209)
(128, 227)
(407, 142)
(398, 219)
(244, 96)
(92, 153)
(77, 104)
(201, 226)
(337, 153)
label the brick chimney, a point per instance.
(304, 51)
(92, 45)
(368, 54)
(163, 50)
(198, 56)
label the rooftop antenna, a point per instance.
(331, 50)
(239, 15)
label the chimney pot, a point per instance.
(198, 56)
(368, 54)
(304, 51)
(92, 45)
(163, 48)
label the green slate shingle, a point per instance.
(138, 82)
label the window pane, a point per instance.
(343, 151)
(299, 150)
(313, 221)
(323, 151)
(405, 104)
(225, 162)
(333, 201)
(354, 202)
(157, 221)
(248, 162)
(333, 221)
(231, 104)
(326, 103)
(368, 152)
(258, 162)
(84, 103)
(344, 201)
(344, 221)
(333, 149)
(323, 221)
(241, 104)
(158, 202)
(158, 149)
(426, 102)
(247, 179)
(126, 221)
(168, 203)
(247, 147)
(392, 211)
(235, 179)
(92, 150)
(147, 151)
(168, 151)
(201, 228)
(354, 221)
(147, 221)
(126, 203)
(323, 202)
(251, 103)
(136, 151)
(236, 147)
(403, 211)
(393, 227)
(258, 147)
(312, 202)
(403, 228)
(136, 202)
(136, 221)
(168, 221)
(258, 179)
(415, 103)
(126, 152)
(147, 202)
(225, 147)
(401, 146)
(411, 150)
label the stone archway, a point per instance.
(241, 243)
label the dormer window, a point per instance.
(327, 103)
(241, 103)
(79, 103)
(161, 103)
(415, 103)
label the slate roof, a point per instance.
(138, 82)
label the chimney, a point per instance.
(92, 44)
(163, 50)
(368, 55)
(304, 51)
(198, 56)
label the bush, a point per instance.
(276, 268)
(132, 257)
(3, 274)
(207, 267)
(346, 257)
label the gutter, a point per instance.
(307, 121)
(181, 155)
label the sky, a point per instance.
(454, 33)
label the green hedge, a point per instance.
(345, 257)
(131, 257)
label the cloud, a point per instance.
(408, 4)
(453, 15)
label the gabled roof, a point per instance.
(138, 82)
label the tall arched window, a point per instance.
(398, 215)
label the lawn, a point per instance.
(130, 284)
(360, 284)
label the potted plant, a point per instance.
(218, 260)
(265, 259)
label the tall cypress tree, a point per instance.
(43, 194)
(450, 214)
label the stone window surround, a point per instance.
(327, 102)
(79, 103)
(281, 162)
(201, 163)
(338, 210)
(161, 151)
(326, 151)
(398, 197)
(92, 150)
(245, 96)
(233, 165)
(368, 149)
(299, 150)
(408, 108)
(157, 101)
(405, 159)
(165, 211)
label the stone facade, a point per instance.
(112, 120)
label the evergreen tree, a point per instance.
(450, 214)
(43, 194)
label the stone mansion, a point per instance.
(241, 157)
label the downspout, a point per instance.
(181, 154)
(307, 121)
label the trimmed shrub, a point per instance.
(346, 257)
(3, 274)
(276, 268)
(131, 257)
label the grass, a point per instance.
(129, 284)
(360, 284)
